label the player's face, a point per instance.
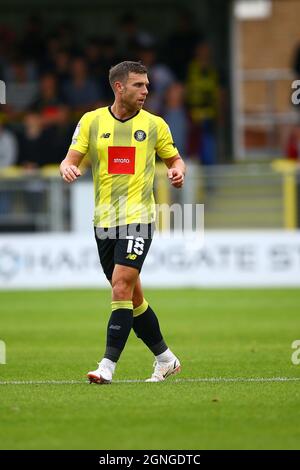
(135, 90)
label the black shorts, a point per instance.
(127, 245)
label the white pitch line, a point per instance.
(200, 379)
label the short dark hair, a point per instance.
(121, 71)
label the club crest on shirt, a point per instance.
(140, 135)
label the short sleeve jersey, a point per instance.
(122, 155)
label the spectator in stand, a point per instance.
(130, 36)
(175, 115)
(21, 88)
(8, 147)
(81, 92)
(67, 36)
(100, 56)
(62, 39)
(61, 66)
(48, 101)
(203, 101)
(93, 54)
(109, 58)
(33, 143)
(8, 157)
(181, 44)
(62, 135)
(7, 42)
(52, 48)
(160, 77)
(293, 144)
(42, 143)
(57, 127)
(36, 148)
(32, 44)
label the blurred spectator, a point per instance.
(62, 135)
(11, 71)
(8, 147)
(101, 55)
(48, 100)
(21, 88)
(109, 58)
(66, 34)
(32, 44)
(81, 92)
(33, 144)
(48, 81)
(203, 101)
(176, 116)
(7, 40)
(181, 44)
(130, 37)
(61, 66)
(93, 55)
(42, 144)
(8, 157)
(293, 144)
(35, 151)
(160, 77)
(52, 47)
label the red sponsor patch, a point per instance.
(121, 160)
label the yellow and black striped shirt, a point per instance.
(122, 154)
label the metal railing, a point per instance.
(264, 115)
(33, 201)
(238, 196)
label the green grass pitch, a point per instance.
(57, 336)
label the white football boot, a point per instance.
(102, 375)
(163, 370)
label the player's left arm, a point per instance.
(167, 151)
(176, 170)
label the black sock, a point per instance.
(118, 329)
(146, 327)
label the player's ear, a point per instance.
(119, 87)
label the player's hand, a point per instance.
(176, 177)
(70, 173)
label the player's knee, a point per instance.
(122, 290)
(137, 299)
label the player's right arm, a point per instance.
(69, 167)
